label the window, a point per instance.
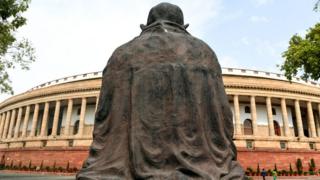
(249, 144)
(76, 127)
(274, 111)
(78, 111)
(283, 145)
(277, 130)
(247, 109)
(312, 145)
(247, 127)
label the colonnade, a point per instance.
(284, 114)
(14, 122)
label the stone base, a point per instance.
(34, 144)
(268, 157)
(3, 146)
(57, 143)
(16, 145)
(58, 156)
(79, 142)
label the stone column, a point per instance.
(16, 130)
(82, 116)
(25, 122)
(318, 121)
(12, 121)
(298, 118)
(237, 115)
(270, 116)
(43, 132)
(34, 120)
(285, 117)
(6, 126)
(3, 118)
(68, 118)
(56, 119)
(97, 103)
(311, 120)
(253, 115)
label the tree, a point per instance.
(303, 54)
(14, 52)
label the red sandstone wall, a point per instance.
(267, 158)
(48, 156)
(75, 156)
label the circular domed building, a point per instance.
(275, 121)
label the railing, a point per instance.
(77, 77)
(226, 71)
(264, 74)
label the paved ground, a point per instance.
(289, 177)
(33, 177)
(11, 176)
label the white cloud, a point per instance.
(259, 3)
(245, 41)
(259, 19)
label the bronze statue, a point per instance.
(163, 113)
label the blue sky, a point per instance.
(78, 36)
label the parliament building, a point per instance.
(275, 121)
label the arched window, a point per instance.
(247, 109)
(76, 127)
(247, 127)
(277, 130)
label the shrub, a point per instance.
(284, 172)
(68, 166)
(305, 173)
(11, 165)
(275, 168)
(60, 169)
(47, 168)
(54, 166)
(269, 172)
(312, 167)
(258, 169)
(20, 165)
(30, 164)
(74, 169)
(41, 165)
(290, 169)
(299, 166)
(24, 168)
(249, 169)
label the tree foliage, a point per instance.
(303, 55)
(14, 52)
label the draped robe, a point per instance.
(163, 112)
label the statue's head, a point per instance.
(165, 11)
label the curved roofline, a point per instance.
(225, 71)
(77, 77)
